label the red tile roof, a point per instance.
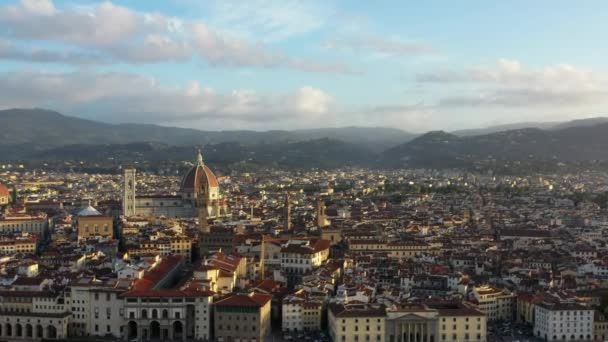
(253, 299)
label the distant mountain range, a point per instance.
(36, 135)
(41, 128)
(440, 149)
(555, 125)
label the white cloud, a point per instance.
(510, 84)
(269, 20)
(309, 100)
(110, 32)
(124, 97)
(370, 43)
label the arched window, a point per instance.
(154, 313)
(144, 313)
(165, 313)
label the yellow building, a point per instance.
(91, 223)
(182, 246)
(242, 317)
(356, 322)
(19, 245)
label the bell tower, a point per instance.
(202, 195)
(128, 194)
(287, 208)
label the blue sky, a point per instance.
(262, 64)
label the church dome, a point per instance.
(89, 211)
(3, 191)
(198, 174)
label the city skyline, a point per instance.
(273, 65)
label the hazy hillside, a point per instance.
(318, 153)
(440, 149)
(38, 128)
(39, 135)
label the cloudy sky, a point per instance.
(288, 64)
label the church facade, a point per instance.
(184, 203)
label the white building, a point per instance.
(97, 309)
(558, 320)
(299, 257)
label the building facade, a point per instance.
(242, 318)
(497, 304)
(563, 321)
(356, 322)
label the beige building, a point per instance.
(600, 327)
(497, 304)
(403, 249)
(301, 312)
(435, 322)
(33, 315)
(35, 224)
(242, 318)
(92, 224)
(356, 322)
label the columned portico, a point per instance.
(410, 327)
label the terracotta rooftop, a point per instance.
(253, 299)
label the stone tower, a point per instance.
(321, 218)
(128, 194)
(287, 226)
(202, 198)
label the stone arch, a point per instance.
(51, 331)
(132, 330)
(18, 330)
(8, 329)
(29, 330)
(154, 330)
(178, 330)
(39, 331)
